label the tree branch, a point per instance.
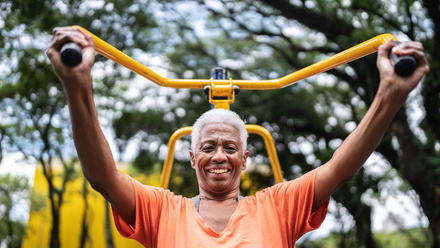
(329, 24)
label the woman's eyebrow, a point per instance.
(214, 141)
(207, 141)
(231, 141)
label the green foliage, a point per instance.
(12, 191)
(252, 39)
(255, 180)
(34, 115)
(408, 238)
(183, 180)
(414, 237)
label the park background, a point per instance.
(394, 201)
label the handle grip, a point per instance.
(71, 54)
(405, 65)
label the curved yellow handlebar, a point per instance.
(221, 93)
(358, 51)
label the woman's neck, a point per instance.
(205, 196)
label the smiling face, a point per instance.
(218, 159)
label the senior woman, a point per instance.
(219, 216)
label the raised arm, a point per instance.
(93, 150)
(358, 146)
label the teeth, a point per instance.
(218, 171)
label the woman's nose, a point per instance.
(219, 156)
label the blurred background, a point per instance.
(394, 201)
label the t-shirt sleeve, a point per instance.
(149, 202)
(294, 201)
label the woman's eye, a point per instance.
(208, 148)
(230, 149)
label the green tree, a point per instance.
(35, 119)
(12, 190)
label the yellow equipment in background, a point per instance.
(221, 91)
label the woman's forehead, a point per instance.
(219, 130)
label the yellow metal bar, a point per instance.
(168, 164)
(255, 129)
(224, 104)
(221, 95)
(121, 58)
(223, 88)
(270, 147)
(356, 52)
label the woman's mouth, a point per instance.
(218, 171)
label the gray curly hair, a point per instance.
(219, 116)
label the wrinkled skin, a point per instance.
(219, 160)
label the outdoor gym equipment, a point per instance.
(221, 91)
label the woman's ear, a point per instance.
(245, 156)
(193, 160)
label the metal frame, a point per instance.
(222, 94)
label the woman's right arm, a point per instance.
(93, 150)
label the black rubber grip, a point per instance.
(71, 54)
(404, 66)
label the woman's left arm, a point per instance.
(358, 146)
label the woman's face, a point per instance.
(218, 159)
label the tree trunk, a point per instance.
(84, 227)
(54, 233)
(108, 227)
(363, 223)
(414, 168)
(350, 196)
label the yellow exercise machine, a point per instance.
(221, 92)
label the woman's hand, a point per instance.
(392, 85)
(73, 78)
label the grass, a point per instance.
(407, 238)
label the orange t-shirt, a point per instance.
(275, 217)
